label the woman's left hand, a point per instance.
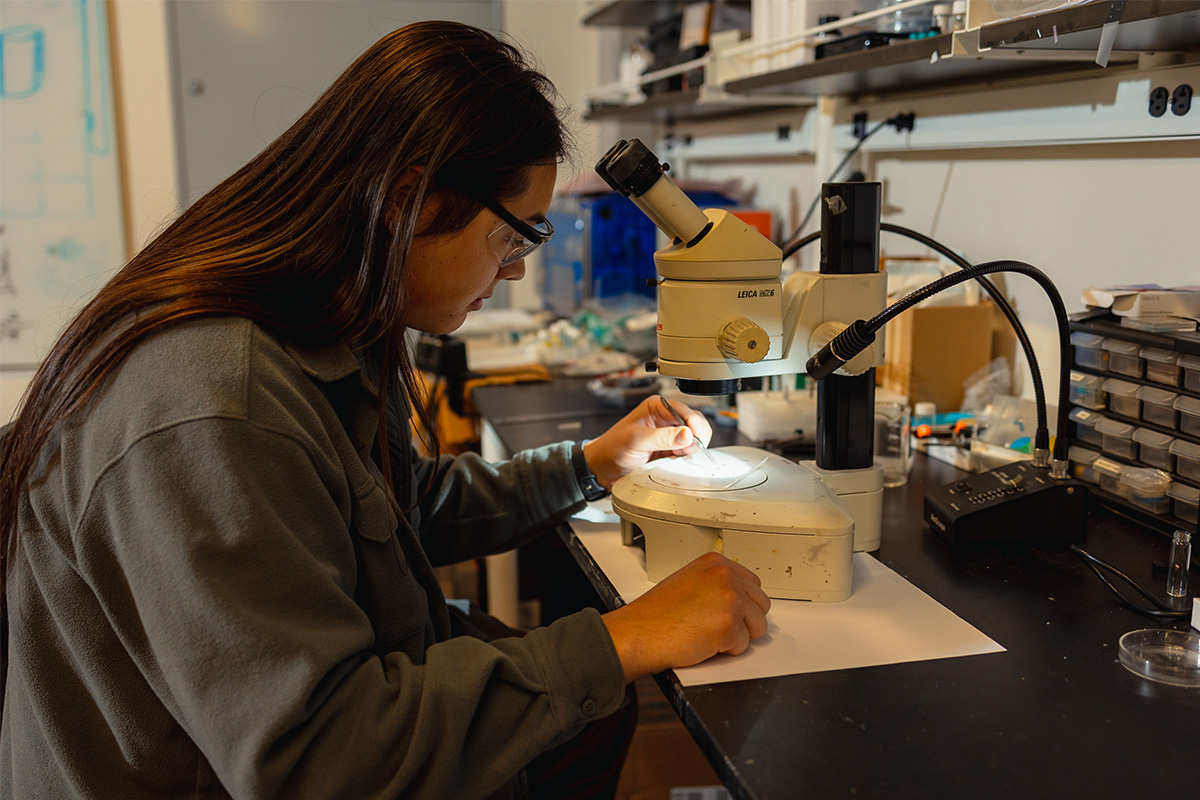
(646, 433)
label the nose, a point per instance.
(513, 272)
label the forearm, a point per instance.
(475, 508)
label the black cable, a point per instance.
(861, 334)
(790, 249)
(857, 146)
(1061, 442)
(1161, 609)
(1042, 436)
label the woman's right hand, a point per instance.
(711, 605)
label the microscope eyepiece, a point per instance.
(602, 167)
(631, 168)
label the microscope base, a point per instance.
(791, 566)
(787, 527)
(861, 492)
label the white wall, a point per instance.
(1085, 215)
(576, 59)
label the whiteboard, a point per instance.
(61, 226)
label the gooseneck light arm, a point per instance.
(862, 332)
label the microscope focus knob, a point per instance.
(744, 341)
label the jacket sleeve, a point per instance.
(468, 507)
(463, 507)
(229, 577)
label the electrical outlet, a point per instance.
(860, 125)
(1158, 102)
(1181, 100)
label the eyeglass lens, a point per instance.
(510, 246)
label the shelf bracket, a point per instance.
(966, 45)
(715, 93)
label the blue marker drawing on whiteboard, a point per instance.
(96, 88)
(58, 116)
(61, 209)
(22, 61)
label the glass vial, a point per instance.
(1177, 569)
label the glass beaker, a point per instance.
(893, 442)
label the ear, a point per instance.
(408, 179)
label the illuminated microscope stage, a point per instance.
(769, 514)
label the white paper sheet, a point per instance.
(887, 620)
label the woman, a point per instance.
(218, 539)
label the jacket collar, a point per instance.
(332, 363)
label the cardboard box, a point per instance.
(931, 350)
(1146, 302)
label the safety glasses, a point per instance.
(515, 239)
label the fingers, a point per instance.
(710, 605)
(657, 415)
(697, 422)
(676, 438)
(741, 642)
(748, 604)
(756, 624)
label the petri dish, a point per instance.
(1163, 655)
(698, 473)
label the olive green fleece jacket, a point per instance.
(212, 597)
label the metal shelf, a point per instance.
(1145, 25)
(634, 13)
(1039, 41)
(678, 106)
(630, 13)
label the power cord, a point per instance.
(1098, 566)
(901, 122)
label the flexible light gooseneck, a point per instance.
(861, 334)
(1041, 449)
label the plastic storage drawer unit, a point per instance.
(1146, 488)
(1085, 426)
(1124, 358)
(1190, 366)
(1187, 502)
(1089, 350)
(1189, 414)
(1117, 438)
(1123, 397)
(1187, 459)
(1088, 390)
(1162, 366)
(1109, 473)
(1083, 463)
(1158, 406)
(1154, 448)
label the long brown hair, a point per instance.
(309, 239)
